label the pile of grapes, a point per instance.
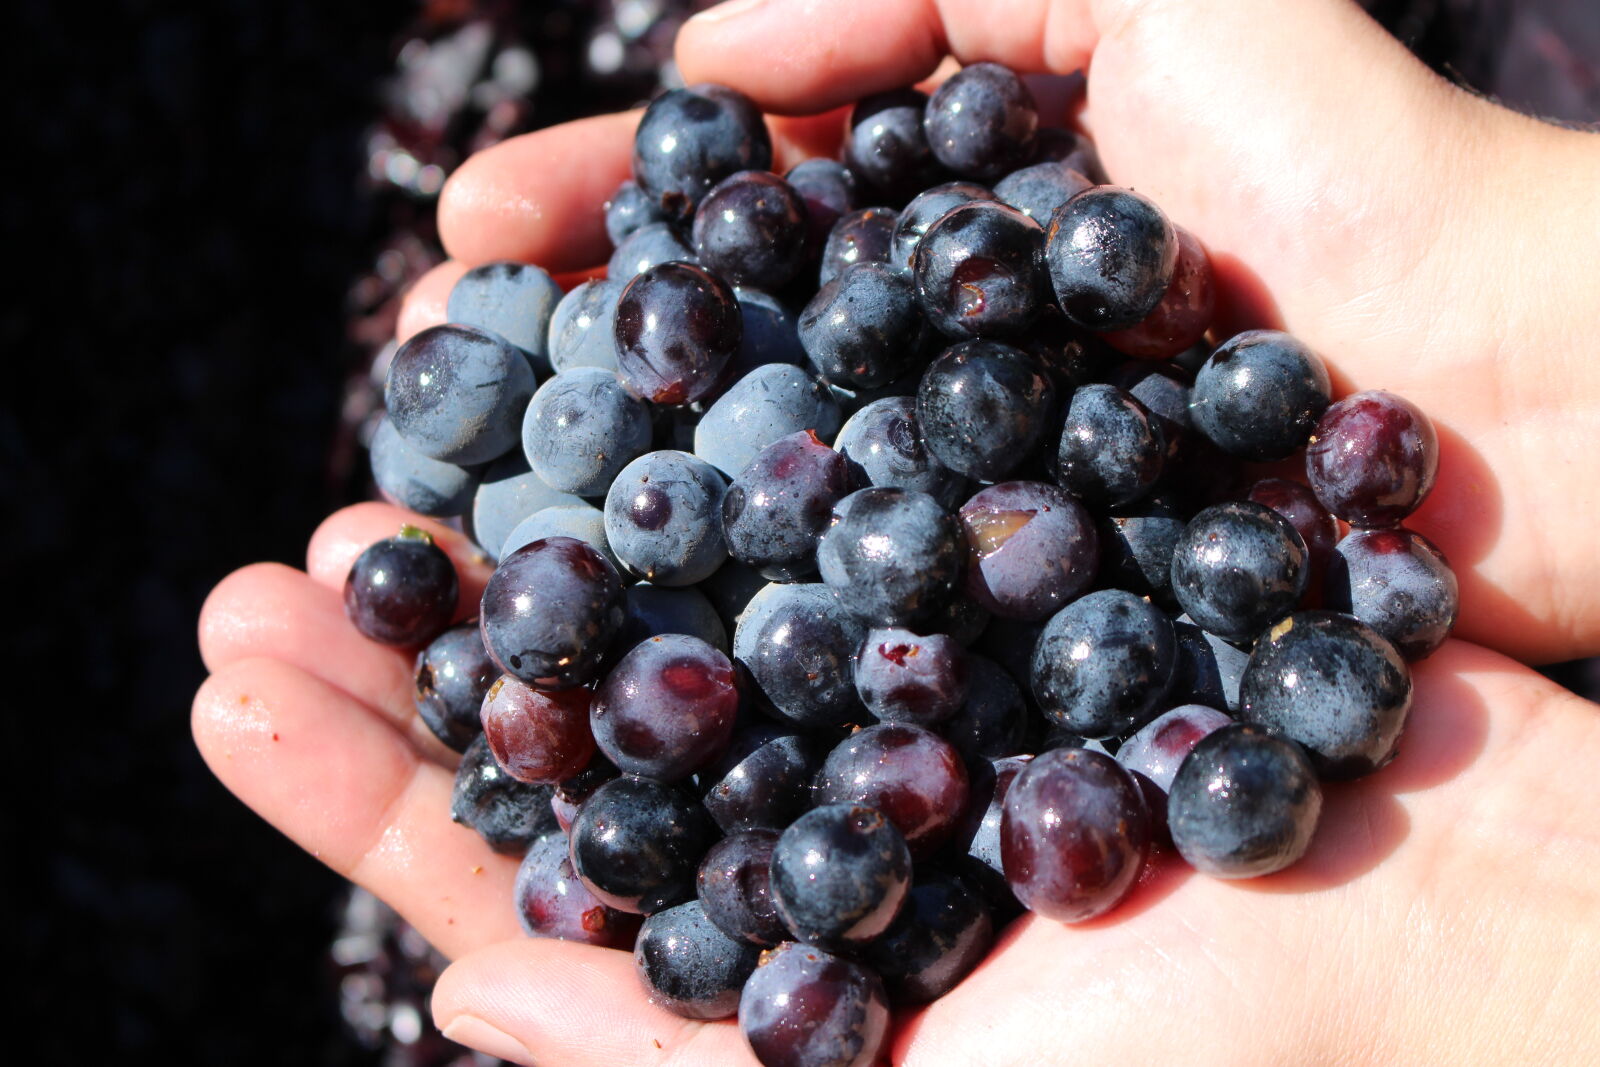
(956, 468)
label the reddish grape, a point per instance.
(667, 709)
(551, 902)
(913, 776)
(1185, 310)
(537, 735)
(1372, 459)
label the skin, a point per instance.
(1421, 240)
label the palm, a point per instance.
(313, 726)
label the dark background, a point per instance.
(187, 206)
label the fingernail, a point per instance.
(475, 1033)
(730, 10)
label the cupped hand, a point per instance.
(1423, 241)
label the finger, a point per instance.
(425, 301)
(849, 49)
(336, 778)
(535, 1001)
(348, 532)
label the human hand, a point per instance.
(1461, 867)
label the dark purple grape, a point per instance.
(1398, 583)
(839, 875)
(769, 335)
(891, 556)
(1111, 254)
(993, 721)
(1111, 450)
(804, 1007)
(1260, 395)
(402, 590)
(883, 446)
(1161, 744)
(979, 271)
(913, 776)
(1238, 568)
(943, 932)
(961, 617)
(926, 208)
(763, 780)
(538, 735)
(1032, 549)
(457, 393)
(652, 611)
(984, 408)
(677, 326)
(689, 966)
(585, 522)
(799, 644)
(506, 813)
(864, 236)
(1318, 529)
(667, 709)
(1373, 459)
(864, 328)
(751, 229)
(1164, 391)
(1184, 313)
(551, 902)
(735, 888)
(451, 676)
(887, 145)
(829, 189)
(513, 301)
(982, 121)
(775, 511)
(690, 139)
(1244, 803)
(664, 518)
(1070, 149)
(1038, 189)
(1331, 683)
(549, 612)
(630, 209)
(906, 678)
(1074, 834)
(637, 844)
(1103, 663)
(1136, 546)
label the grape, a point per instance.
(1260, 395)
(799, 643)
(863, 328)
(412, 480)
(1038, 189)
(734, 884)
(647, 247)
(1103, 663)
(582, 522)
(984, 408)
(689, 966)
(1160, 746)
(1111, 254)
(906, 678)
(551, 902)
(887, 145)
(511, 300)
(776, 510)
(1373, 459)
(979, 271)
(1238, 568)
(506, 813)
(451, 677)
(1032, 549)
(401, 591)
(883, 446)
(942, 933)
(663, 518)
(629, 208)
(911, 775)
(829, 189)
(549, 612)
(768, 404)
(457, 393)
(994, 719)
(891, 556)
(667, 709)
(751, 229)
(537, 735)
(864, 236)
(509, 493)
(581, 428)
(1399, 584)
(1181, 317)
(981, 122)
(923, 211)
(763, 780)
(690, 139)
(804, 1007)
(637, 844)
(839, 875)
(1111, 449)
(676, 327)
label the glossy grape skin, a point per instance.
(652, 610)
(839, 875)
(1330, 682)
(864, 327)
(883, 446)
(457, 393)
(690, 139)
(584, 522)
(581, 428)
(689, 966)
(887, 146)
(511, 300)
(993, 721)
(646, 248)
(539, 736)
(984, 408)
(1074, 834)
(1111, 450)
(864, 236)
(735, 889)
(767, 405)
(551, 901)
(926, 208)
(981, 122)
(799, 644)
(1161, 745)
(1039, 188)
(912, 775)
(979, 271)
(904, 677)
(1032, 549)
(804, 1007)
(1103, 663)
(752, 229)
(830, 190)
(509, 815)
(1316, 527)
(1184, 312)
(1209, 669)
(629, 208)
(583, 328)
(1244, 803)
(637, 844)
(1373, 459)
(1238, 568)
(891, 556)
(549, 612)
(663, 518)
(1163, 389)
(763, 780)
(978, 834)
(1111, 253)
(508, 494)
(416, 482)
(1136, 546)
(676, 327)
(943, 931)
(1398, 583)
(775, 511)
(667, 709)
(1070, 149)
(450, 677)
(1259, 395)
(401, 591)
